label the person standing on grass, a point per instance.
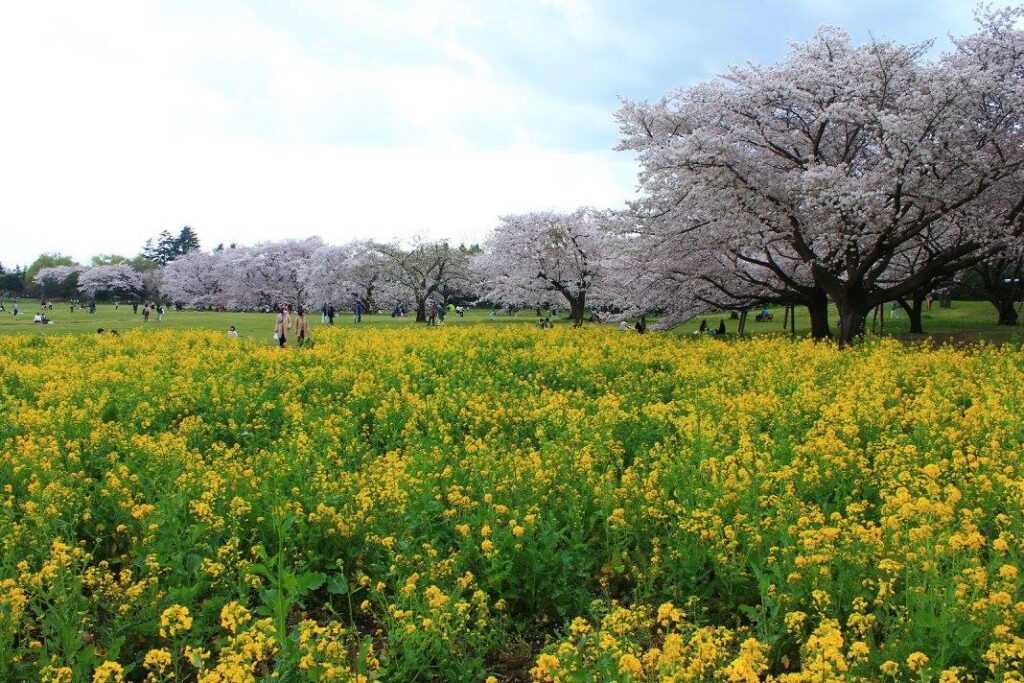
(14, 309)
(281, 327)
(145, 313)
(135, 307)
(330, 314)
(359, 310)
(301, 327)
(160, 313)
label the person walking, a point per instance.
(160, 313)
(359, 310)
(135, 307)
(301, 327)
(330, 314)
(145, 313)
(14, 309)
(281, 327)
(323, 315)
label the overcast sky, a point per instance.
(262, 120)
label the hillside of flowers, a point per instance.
(484, 504)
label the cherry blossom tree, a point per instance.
(54, 277)
(423, 271)
(117, 279)
(824, 167)
(271, 273)
(199, 279)
(546, 257)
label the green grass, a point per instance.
(254, 325)
(965, 321)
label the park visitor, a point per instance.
(232, 332)
(281, 328)
(301, 327)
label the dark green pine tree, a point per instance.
(187, 241)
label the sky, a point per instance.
(263, 120)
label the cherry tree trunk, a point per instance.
(817, 308)
(913, 310)
(914, 314)
(577, 307)
(851, 323)
(1007, 311)
(421, 310)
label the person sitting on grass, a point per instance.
(232, 332)
(721, 326)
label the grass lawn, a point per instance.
(965, 321)
(254, 325)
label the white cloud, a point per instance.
(127, 118)
(372, 118)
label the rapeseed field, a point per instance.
(487, 504)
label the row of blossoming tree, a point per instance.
(857, 174)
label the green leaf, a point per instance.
(750, 612)
(310, 581)
(337, 584)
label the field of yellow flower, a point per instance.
(508, 504)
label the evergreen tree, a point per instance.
(167, 247)
(187, 241)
